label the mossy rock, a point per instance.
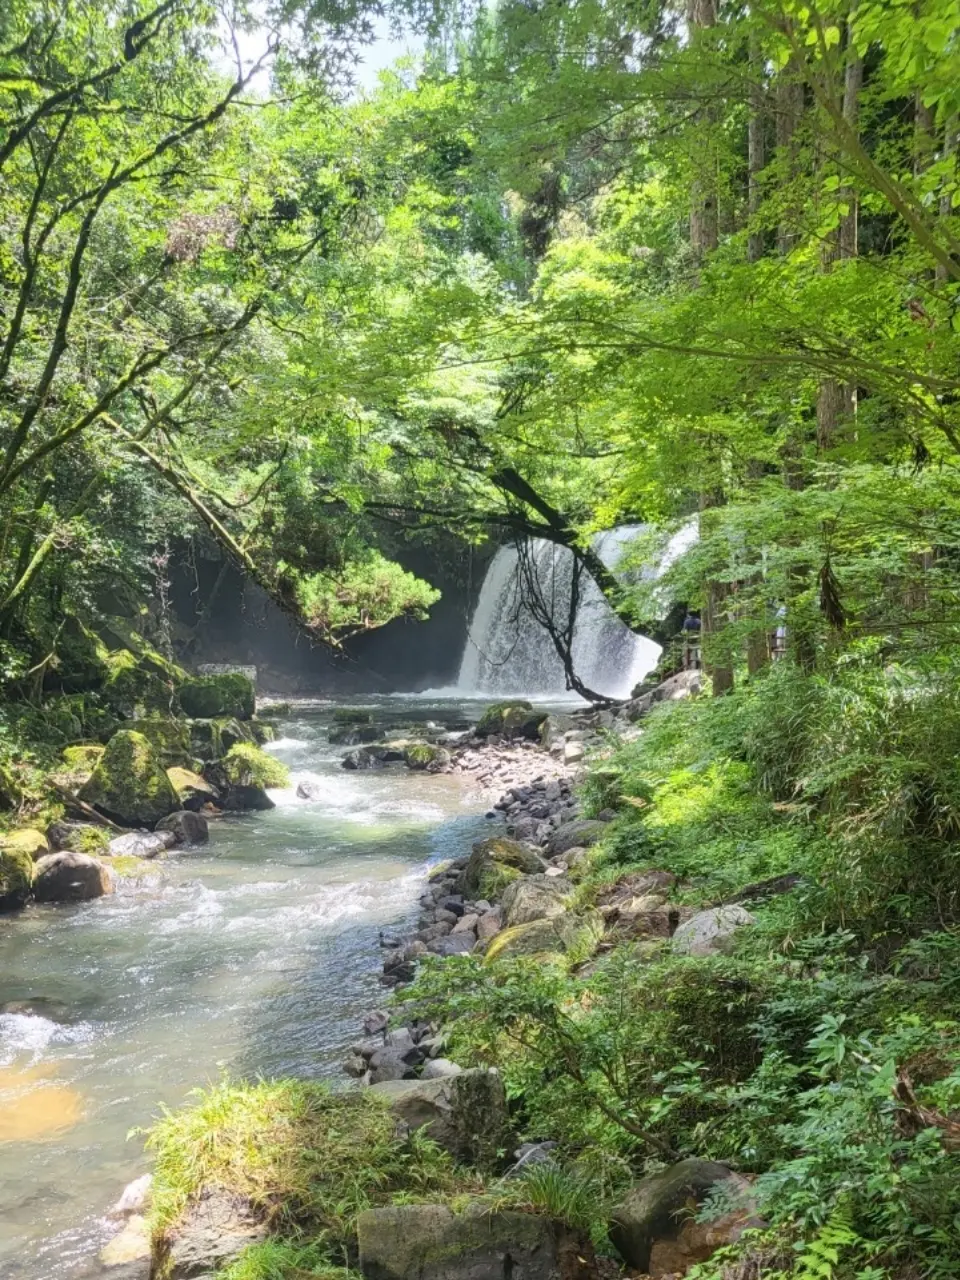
(10, 793)
(499, 715)
(576, 937)
(78, 837)
(494, 863)
(129, 784)
(246, 765)
(169, 738)
(263, 731)
(16, 875)
(205, 741)
(352, 735)
(79, 663)
(351, 715)
(26, 840)
(79, 763)
(230, 695)
(193, 790)
(232, 731)
(423, 755)
(132, 688)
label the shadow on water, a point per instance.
(255, 955)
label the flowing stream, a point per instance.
(256, 955)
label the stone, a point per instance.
(581, 832)
(16, 876)
(452, 902)
(79, 837)
(389, 1064)
(534, 898)
(307, 790)
(685, 684)
(653, 1228)
(456, 944)
(186, 827)
(127, 1255)
(169, 738)
(529, 1154)
(129, 784)
(712, 932)
(431, 1242)
(424, 756)
(352, 735)
(558, 935)
(489, 925)
(193, 791)
(493, 864)
(212, 1232)
(504, 717)
(573, 752)
(210, 697)
(439, 1069)
(141, 844)
(376, 1021)
(466, 924)
(466, 1114)
(355, 1066)
(70, 877)
(371, 757)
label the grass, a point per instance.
(307, 1159)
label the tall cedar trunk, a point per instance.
(789, 111)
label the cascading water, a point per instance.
(508, 652)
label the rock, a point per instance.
(573, 752)
(653, 1229)
(134, 1197)
(169, 738)
(26, 840)
(431, 1242)
(455, 944)
(685, 684)
(141, 844)
(309, 791)
(489, 925)
(493, 864)
(352, 735)
(351, 715)
(186, 827)
(376, 1021)
(559, 935)
(636, 884)
(16, 876)
(711, 933)
(451, 902)
(466, 1114)
(212, 697)
(78, 837)
(531, 1153)
(389, 1064)
(425, 756)
(70, 877)
(504, 717)
(466, 924)
(127, 1255)
(583, 832)
(212, 1231)
(440, 1069)
(193, 791)
(355, 1066)
(370, 757)
(129, 785)
(553, 728)
(534, 898)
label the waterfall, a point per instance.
(509, 653)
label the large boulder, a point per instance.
(577, 936)
(129, 783)
(431, 1242)
(186, 827)
(535, 898)
(685, 684)
(29, 841)
(711, 933)
(581, 833)
(654, 1231)
(425, 756)
(193, 791)
(212, 697)
(466, 1114)
(141, 844)
(70, 877)
(169, 738)
(210, 1234)
(79, 837)
(514, 719)
(493, 864)
(16, 876)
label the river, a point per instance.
(254, 955)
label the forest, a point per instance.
(685, 266)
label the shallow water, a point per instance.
(256, 955)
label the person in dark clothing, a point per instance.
(691, 642)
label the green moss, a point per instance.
(16, 875)
(205, 740)
(351, 715)
(169, 738)
(213, 697)
(576, 937)
(422, 754)
(494, 879)
(127, 867)
(26, 840)
(247, 766)
(496, 862)
(232, 731)
(83, 758)
(190, 786)
(131, 687)
(286, 1260)
(499, 715)
(129, 783)
(310, 1159)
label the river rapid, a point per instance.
(255, 955)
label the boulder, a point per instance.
(16, 876)
(141, 844)
(169, 738)
(129, 785)
(560, 935)
(186, 827)
(514, 719)
(582, 832)
(431, 1242)
(440, 1069)
(212, 697)
(70, 877)
(80, 761)
(573, 752)
(205, 741)
(127, 1255)
(534, 898)
(425, 756)
(489, 925)
(711, 933)
(351, 715)
(654, 1231)
(193, 791)
(371, 757)
(685, 684)
(26, 840)
(493, 864)
(79, 837)
(308, 790)
(233, 731)
(352, 735)
(455, 944)
(466, 1114)
(212, 1232)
